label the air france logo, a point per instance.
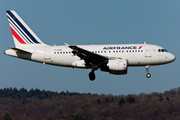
(121, 48)
(140, 47)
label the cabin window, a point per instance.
(60, 52)
(109, 51)
(104, 51)
(141, 50)
(54, 52)
(138, 50)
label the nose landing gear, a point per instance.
(148, 75)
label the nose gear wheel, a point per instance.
(148, 75)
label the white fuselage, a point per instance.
(135, 54)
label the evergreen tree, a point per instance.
(6, 117)
(130, 99)
(107, 100)
(50, 118)
(121, 102)
(160, 98)
(167, 99)
(98, 101)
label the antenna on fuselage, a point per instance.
(144, 42)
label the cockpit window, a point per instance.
(162, 50)
(165, 50)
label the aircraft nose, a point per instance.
(172, 58)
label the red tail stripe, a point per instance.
(17, 36)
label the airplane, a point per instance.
(112, 58)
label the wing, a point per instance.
(88, 56)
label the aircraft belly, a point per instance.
(64, 60)
(39, 57)
(139, 61)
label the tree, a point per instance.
(24, 101)
(50, 118)
(6, 117)
(98, 101)
(160, 98)
(167, 99)
(130, 99)
(107, 100)
(121, 102)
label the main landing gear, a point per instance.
(148, 75)
(92, 76)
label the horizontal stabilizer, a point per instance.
(20, 50)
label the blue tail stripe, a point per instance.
(16, 27)
(22, 27)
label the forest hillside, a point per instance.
(38, 104)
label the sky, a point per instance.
(83, 22)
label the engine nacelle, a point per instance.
(117, 66)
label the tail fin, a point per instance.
(23, 36)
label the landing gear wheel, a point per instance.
(92, 76)
(148, 75)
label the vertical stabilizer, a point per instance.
(23, 36)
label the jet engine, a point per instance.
(117, 67)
